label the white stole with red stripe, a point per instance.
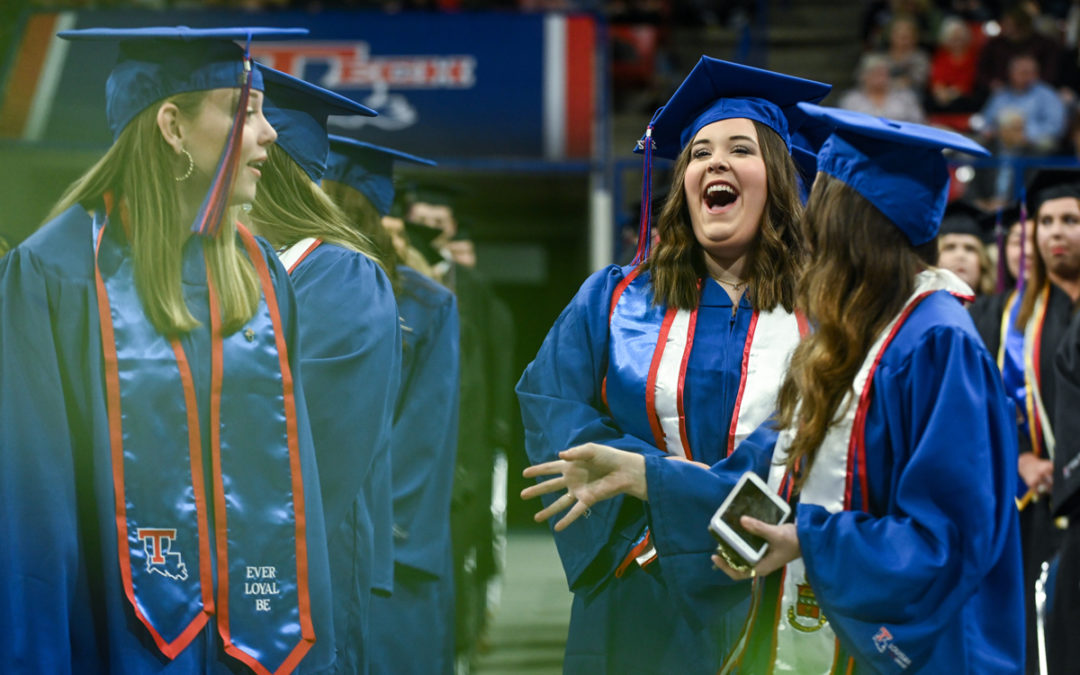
(772, 337)
(805, 643)
(291, 256)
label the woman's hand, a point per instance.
(589, 473)
(1038, 474)
(783, 548)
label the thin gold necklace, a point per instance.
(735, 286)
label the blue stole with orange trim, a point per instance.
(168, 553)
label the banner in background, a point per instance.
(462, 85)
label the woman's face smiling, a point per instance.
(725, 186)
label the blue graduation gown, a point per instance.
(414, 632)
(62, 603)
(936, 554)
(350, 358)
(633, 623)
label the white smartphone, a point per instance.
(750, 497)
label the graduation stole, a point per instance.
(167, 552)
(783, 605)
(293, 255)
(1010, 361)
(669, 333)
(1042, 435)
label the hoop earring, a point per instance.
(190, 166)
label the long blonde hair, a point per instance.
(140, 171)
(290, 206)
(861, 272)
(365, 219)
(776, 256)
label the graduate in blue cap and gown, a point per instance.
(159, 491)
(896, 449)
(677, 356)
(350, 349)
(414, 629)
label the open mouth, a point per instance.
(719, 195)
(257, 165)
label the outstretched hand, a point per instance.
(589, 473)
(783, 548)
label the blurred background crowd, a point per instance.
(523, 235)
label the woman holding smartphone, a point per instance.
(679, 356)
(904, 550)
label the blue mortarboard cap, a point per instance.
(367, 168)
(717, 90)
(298, 111)
(897, 166)
(157, 62)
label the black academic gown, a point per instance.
(1064, 615)
(1040, 538)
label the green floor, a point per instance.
(528, 632)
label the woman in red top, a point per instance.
(952, 71)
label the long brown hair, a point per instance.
(290, 206)
(778, 252)
(140, 171)
(1037, 277)
(861, 272)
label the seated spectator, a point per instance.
(908, 64)
(876, 95)
(1026, 93)
(993, 187)
(1070, 143)
(1018, 36)
(880, 14)
(952, 71)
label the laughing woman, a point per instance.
(159, 491)
(680, 356)
(904, 551)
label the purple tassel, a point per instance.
(1021, 273)
(1002, 267)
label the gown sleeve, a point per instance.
(561, 407)
(42, 607)
(425, 441)
(948, 518)
(682, 500)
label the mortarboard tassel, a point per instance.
(645, 224)
(1022, 271)
(208, 220)
(1002, 266)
